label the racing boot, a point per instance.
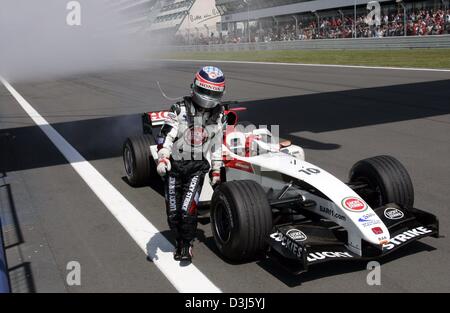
(186, 252)
(178, 248)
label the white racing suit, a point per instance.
(192, 141)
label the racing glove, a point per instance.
(164, 165)
(215, 178)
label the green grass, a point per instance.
(424, 58)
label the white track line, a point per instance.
(314, 65)
(148, 238)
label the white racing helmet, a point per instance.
(208, 87)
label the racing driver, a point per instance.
(189, 147)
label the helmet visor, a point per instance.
(208, 93)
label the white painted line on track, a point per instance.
(315, 65)
(147, 236)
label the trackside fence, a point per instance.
(438, 41)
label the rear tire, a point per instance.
(138, 161)
(388, 180)
(241, 220)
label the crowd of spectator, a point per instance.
(420, 22)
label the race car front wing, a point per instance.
(299, 245)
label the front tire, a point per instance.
(387, 179)
(138, 161)
(241, 219)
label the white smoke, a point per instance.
(36, 41)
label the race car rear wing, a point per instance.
(151, 120)
(298, 246)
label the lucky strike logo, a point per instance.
(354, 204)
(393, 214)
(296, 235)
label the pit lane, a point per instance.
(339, 115)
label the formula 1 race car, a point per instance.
(272, 202)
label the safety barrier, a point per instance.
(410, 42)
(4, 280)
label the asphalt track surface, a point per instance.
(339, 115)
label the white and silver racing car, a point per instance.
(272, 202)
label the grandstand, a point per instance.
(192, 20)
(189, 19)
(239, 21)
(279, 20)
(137, 15)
